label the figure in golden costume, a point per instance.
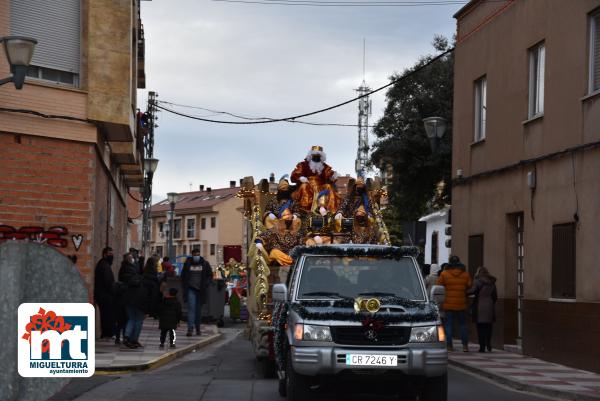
(356, 197)
(312, 176)
(278, 241)
(282, 200)
(364, 231)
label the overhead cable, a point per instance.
(216, 112)
(296, 117)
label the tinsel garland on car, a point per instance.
(384, 252)
(343, 310)
(280, 312)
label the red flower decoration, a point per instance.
(44, 321)
(375, 324)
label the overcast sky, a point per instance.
(270, 61)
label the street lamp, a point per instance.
(172, 198)
(19, 51)
(150, 165)
(435, 127)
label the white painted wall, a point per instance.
(436, 222)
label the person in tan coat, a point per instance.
(457, 282)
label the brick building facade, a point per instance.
(66, 181)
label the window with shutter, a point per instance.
(595, 52)
(56, 25)
(563, 260)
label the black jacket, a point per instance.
(152, 293)
(134, 293)
(197, 276)
(104, 282)
(169, 313)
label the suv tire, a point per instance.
(435, 389)
(296, 387)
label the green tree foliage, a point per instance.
(402, 142)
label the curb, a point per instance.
(519, 386)
(157, 362)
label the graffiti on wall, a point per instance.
(53, 236)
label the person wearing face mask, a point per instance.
(313, 175)
(357, 196)
(283, 200)
(104, 293)
(196, 276)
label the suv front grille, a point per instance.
(358, 335)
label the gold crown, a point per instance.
(317, 148)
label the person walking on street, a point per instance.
(196, 276)
(169, 315)
(120, 309)
(151, 286)
(134, 299)
(104, 294)
(457, 282)
(484, 306)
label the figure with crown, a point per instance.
(313, 175)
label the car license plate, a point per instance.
(371, 360)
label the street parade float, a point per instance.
(305, 208)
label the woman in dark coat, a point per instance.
(151, 285)
(134, 299)
(484, 313)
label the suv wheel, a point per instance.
(296, 386)
(435, 389)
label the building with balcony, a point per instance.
(69, 145)
(526, 156)
(211, 220)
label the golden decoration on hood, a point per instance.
(373, 305)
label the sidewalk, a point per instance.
(528, 374)
(111, 358)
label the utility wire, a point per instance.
(216, 112)
(292, 118)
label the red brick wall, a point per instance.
(46, 182)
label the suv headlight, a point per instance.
(427, 334)
(309, 332)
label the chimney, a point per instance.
(208, 189)
(231, 184)
(201, 187)
(272, 177)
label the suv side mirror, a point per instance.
(279, 293)
(438, 294)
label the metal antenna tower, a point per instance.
(364, 111)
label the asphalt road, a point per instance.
(226, 371)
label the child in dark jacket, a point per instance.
(169, 315)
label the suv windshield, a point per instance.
(335, 277)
